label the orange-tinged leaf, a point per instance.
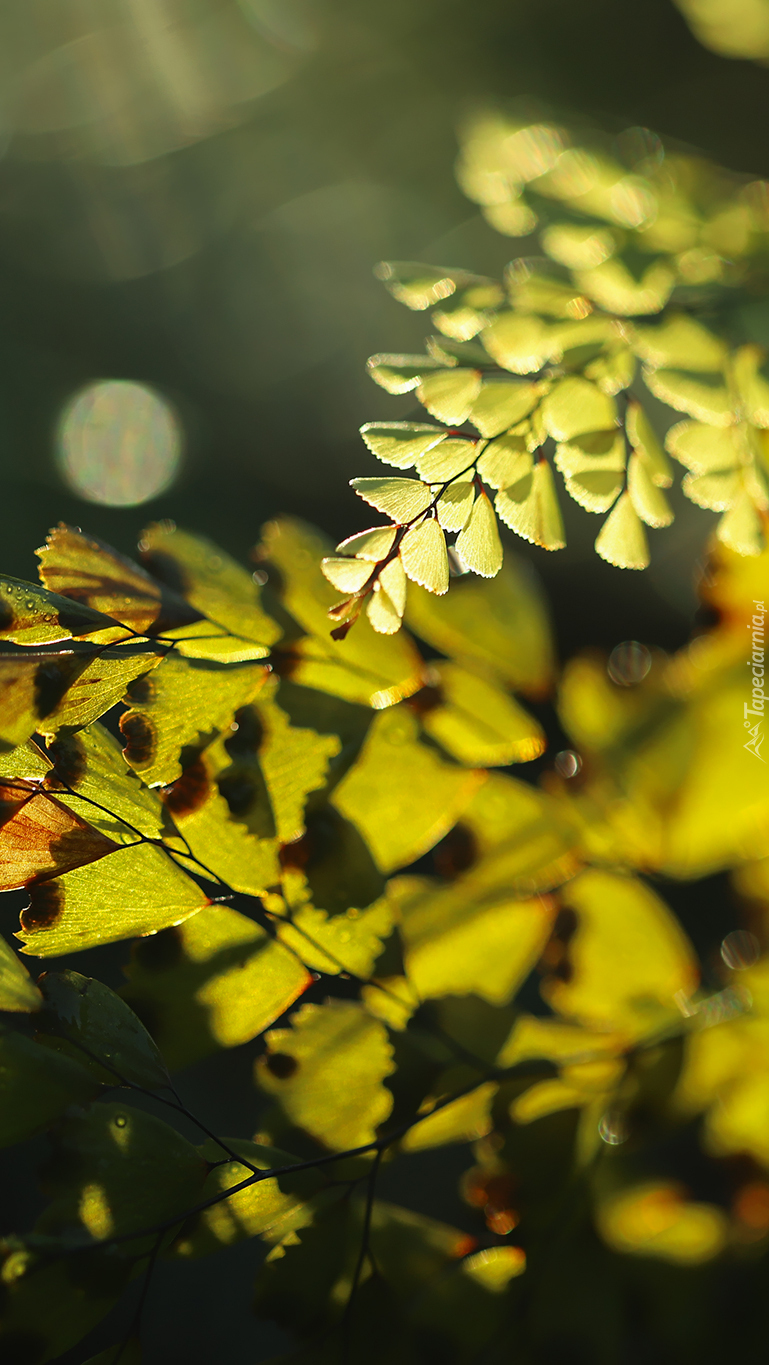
(40, 837)
(94, 575)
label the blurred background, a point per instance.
(193, 194)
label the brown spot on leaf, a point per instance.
(456, 852)
(555, 957)
(7, 615)
(166, 569)
(246, 734)
(239, 790)
(299, 853)
(69, 760)
(285, 662)
(426, 699)
(46, 905)
(52, 678)
(281, 1065)
(139, 733)
(141, 690)
(190, 791)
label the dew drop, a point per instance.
(120, 1120)
(613, 1129)
(740, 949)
(629, 663)
(567, 763)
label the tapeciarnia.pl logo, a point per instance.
(757, 704)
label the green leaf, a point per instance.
(49, 1306)
(469, 309)
(578, 245)
(17, 991)
(329, 1076)
(349, 942)
(622, 540)
(530, 507)
(120, 1170)
(446, 461)
(88, 1022)
(613, 287)
(630, 959)
(36, 1086)
(419, 286)
(518, 342)
(449, 395)
(373, 545)
(330, 864)
(593, 468)
(91, 763)
(478, 545)
(648, 500)
(455, 505)
(99, 686)
(500, 404)
(373, 669)
(31, 687)
(400, 499)
(401, 373)
(401, 443)
(643, 438)
(30, 615)
(613, 371)
(680, 343)
(400, 795)
(98, 579)
(185, 702)
(704, 449)
(749, 370)
(136, 890)
(213, 582)
(500, 624)
(477, 723)
(575, 406)
(424, 556)
(269, 1208)
(217, 980)
(464, 1120)
(704, 396)
(741, 528)
(505, 461)
(347, 574)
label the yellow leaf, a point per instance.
(449, 394)
(478, 724)
(393, 580)
(91, 763)
(457, 942)
(523, 841)
(648, 500)
(382, 611)
(703, 396)
(643, 438)
(446, 461)
(399, 794)
(704, 449)
(631, 961)
(622, 540)
(401, 373)
(31, 687)
(417, 285)
(500, 624)
(574, 406)
(578, 246)
(752, 384)
(373, 669)
(214, 981)
(530, 507)
(500, 404)
(657, 1220)
(329, 1076)
(478, 545)
(717, 490)
(613, 371)
(30, 615)
(400, 443)
(223, 845)
(211, 580)
(518, 342)
(401, 499)
(372, 545)
(207, 640)
(680, 343)
(136, 890)
(593, 468)
(505, 461)
(333, 943)
(464, 1120)
(742, 528)
(455, 505)
(185, 702)
(424, 557)
(101, 684)
(494, 1267)
(613, 287)
(348, 575)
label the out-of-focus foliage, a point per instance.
(642, 260)
(433, 953)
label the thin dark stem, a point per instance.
(362, 1254)
(135, 1326)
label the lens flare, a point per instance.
(118, 443)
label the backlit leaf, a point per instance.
(622, 540)
(185, 702)
(593, 468)
(104, 790)
(217, 980)
(424, 557)
(478, 545)
(348, 575)
(656, 1219)
(41, 838)
(648, 500)
(372, 545)
(30, 615)
(213, 582)
(401, 499)
(613, 287)
(643, 438)
(530, 507)
(446, 461)
(455, 505)
(400, 443)
(416, 285)
(400, 795)
(478, 724)
(450, 394)
(505, 461)
(465, 1120)
(703, 396)
(100, 685)
(88, 1022)
(500, 405)
(393, 580)
(613, 371)
(99, 579)
(17, 990)
(401, 373)
(574, 406)
(680, 343)
(51, 1304)
(702, 448)
(741, 528)
(630, 958)
(752, 384)
(500, 624)
(137, 890)
(716, 490)
(36, 1085)
(334, 1089)
(382, 611)
(518, 342)
(350, 942)
(31, 687)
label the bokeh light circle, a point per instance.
(118, 443)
